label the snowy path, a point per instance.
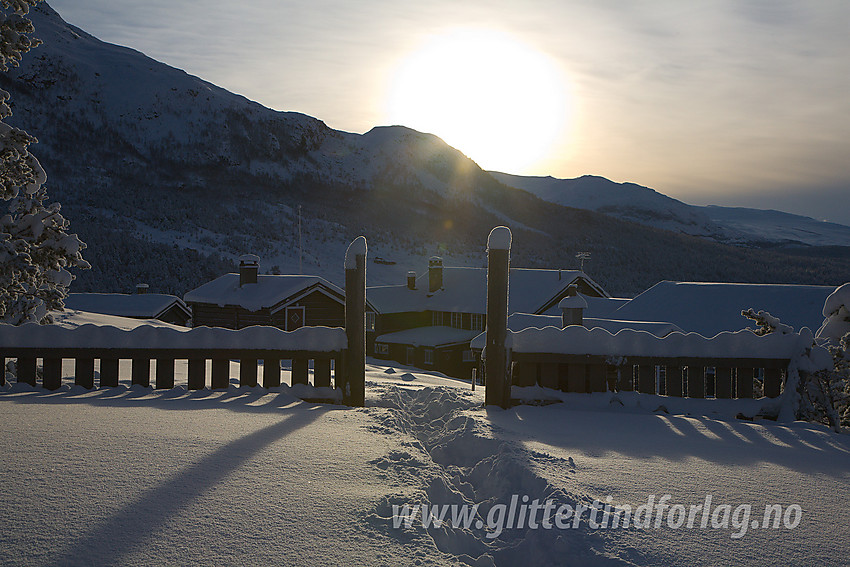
(141, 477)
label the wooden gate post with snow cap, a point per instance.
(354, 381)
(498, 383)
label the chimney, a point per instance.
(249, 267)
(141, 288)
(435, 273)
(411, 280)
(572, 307)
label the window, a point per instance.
(457, 320)
(477, 322)
(382, 348)
(468, 356)
(437, 318)
(429, 356)
(370, 320)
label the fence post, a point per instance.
(197, 373)
(247, 371)
(354, 382)
(164, 373)
(141, 371)
(84, 372)
(498, 391)
(300, 371)
(322, 373)
(673, 379)
(696, 381)
(723, 382)
(109, 372)
(772, 382)
(744, 382)
(52, 369)
(646, 378)
(220, 378)
(26, 370)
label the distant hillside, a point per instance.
(169, 178)
(646, 206)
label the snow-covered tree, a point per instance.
(35, 247)
(836, 312)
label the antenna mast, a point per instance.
(300, 249)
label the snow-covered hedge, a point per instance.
(314, 339)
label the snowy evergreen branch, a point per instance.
(35, 247)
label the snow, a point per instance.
(135, 476)
(316, 339)
(573, 302)
(249, 259)
(269, 290)
(754, 225)
(147, 305)
(431, 336)
(520, 321)
(499, 238)
(72, 318)
(709, 308)
(628, 342)
(355, 249)
(465, 291)
(836, 300)
(836, 310)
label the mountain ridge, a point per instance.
(169, 179)
(633, 202)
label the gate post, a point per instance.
(498, 389)
(354, 382)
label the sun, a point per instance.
(499, 101)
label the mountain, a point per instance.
(768, 226)
(168, 179)
(629, 201)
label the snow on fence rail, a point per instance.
(88, 343)
(577, 359)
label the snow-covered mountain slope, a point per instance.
(627, 201)
(169, 179)
(757, 225)
(632, 202)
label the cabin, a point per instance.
(235, 301)
(429, 321)
(141, 305)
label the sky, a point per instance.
(741, 103)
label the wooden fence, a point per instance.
(336, 354)
(198, 376)
(577, 359)
(677, 376)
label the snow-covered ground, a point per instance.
(133, 476)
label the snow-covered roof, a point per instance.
(428, 336)
(269, 291)
(140, 306)
(600, 307)
(465, 291)
(520, 321)
(71, 319)
(710, 308)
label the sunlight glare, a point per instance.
(485, 93)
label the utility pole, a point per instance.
(300, 248)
